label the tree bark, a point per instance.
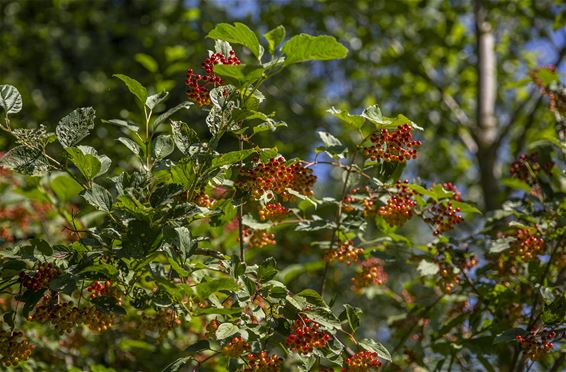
(486, 123)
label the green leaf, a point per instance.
(183, 135)
(133, 206)
(65, 187)
(205, 289)
(352, 315)
(198, 346)
(163, 146)
(509, 335)
(373, 346)
(239, 33)
(465, 207)
(267, 270)
(87, 160)
(181, 238)
(98, 197)
(239, 75)
(134, 87)
(500, 245)
(177, 364)
(161, 118)
(226, 330)
(155, 99)
(352, 121)
(232, 157)
(123, 123)
(312, 297)
(108, 304)
(274, 37)
(130, 144)
(75, 126)
(27, 161)
(305, 47)
(427, 268)
(10, 99)
(146, 61)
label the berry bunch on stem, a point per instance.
(395, 146)
(345, 253)
(361, 362)
(372, 274)
(400, 206)
(262, 362)
(41, 278)
(306, 336)
(200, 85)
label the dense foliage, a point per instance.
(167, 252)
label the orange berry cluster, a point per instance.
(277, 177)
(273, 212)
(536, 343)
(200, 85)
(527, 168)
(41, 278)
(162, 322)
(258, 238)
(448, 278)
(443, 216)
(527, 244)
(263, 362)
(203, 200)
(65, 316)
(399, 207)
(396, 146)
(236, 347)
(306, 337)
(372, 274)
(14, 348)
(345, 253)
(361, 362)
(97, 288)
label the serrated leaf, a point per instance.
(65, 187)
(98, 197)
(205, 289)
(239, 33)
(239, 75)
(75, 126)
(500, 245)
(267, 270)
(25, 160)
(305, 47)
(198, 346)
(88, 161)
(226, 330)
(123, 123)
(10, 99)
(353, 315)
(374, 346)
(183, 136)
(155, 99)
(274, 37)
(353, 121)
(427, 268)
(134, 87)
(181, 238)
(232, 157)
(163, 146)
(130, 144)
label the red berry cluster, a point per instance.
(14, 348)
(97, 288)
(258, 238)
(41, 278)
(361, 362)
(162, 322)
(345, 253)
(397, 146)
(273, 212)
(527, 244)
(277, 177)
(372, 274)
(200, 85)
(65, 316)
(443, 216)
(528, 167)
(211, 328)
(263, 362)
(449, 186)
(536, 343)
(236, 347)
(306, 336)
(399, 207)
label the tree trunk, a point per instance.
(486, 124)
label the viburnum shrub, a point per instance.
(175, 252)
